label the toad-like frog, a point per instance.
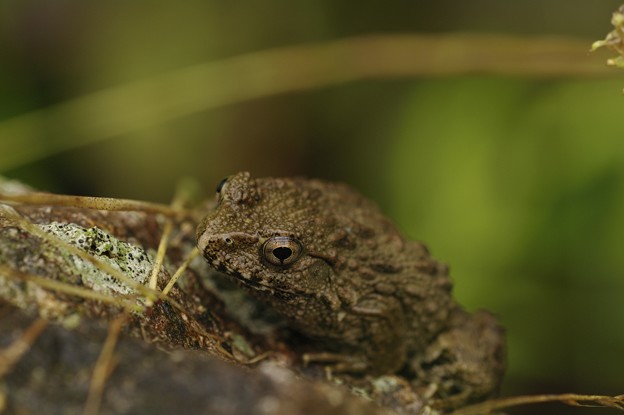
(337, 269)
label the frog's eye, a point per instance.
(221, 184)
(282, 250)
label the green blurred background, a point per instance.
(517, 182)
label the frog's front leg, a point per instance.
(465, 363)
(370, 338)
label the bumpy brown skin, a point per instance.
(357, 285)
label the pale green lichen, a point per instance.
(131, 260)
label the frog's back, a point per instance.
(373, 257)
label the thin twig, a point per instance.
(12, 354)
(126, 301)
(91, 202)
(103, 367)
(616, 402)
(160, 254)
(176, 204)
(181, 269)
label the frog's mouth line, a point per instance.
(249, 282)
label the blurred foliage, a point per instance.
(517, 182)
(530, 214)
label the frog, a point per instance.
(329, 261)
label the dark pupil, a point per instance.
(221, 183)
(282, 253)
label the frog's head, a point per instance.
(270, 234)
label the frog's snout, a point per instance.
(213, 245)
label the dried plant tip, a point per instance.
(615, 39)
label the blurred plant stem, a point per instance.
(152, 101)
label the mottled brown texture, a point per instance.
(330, 262)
